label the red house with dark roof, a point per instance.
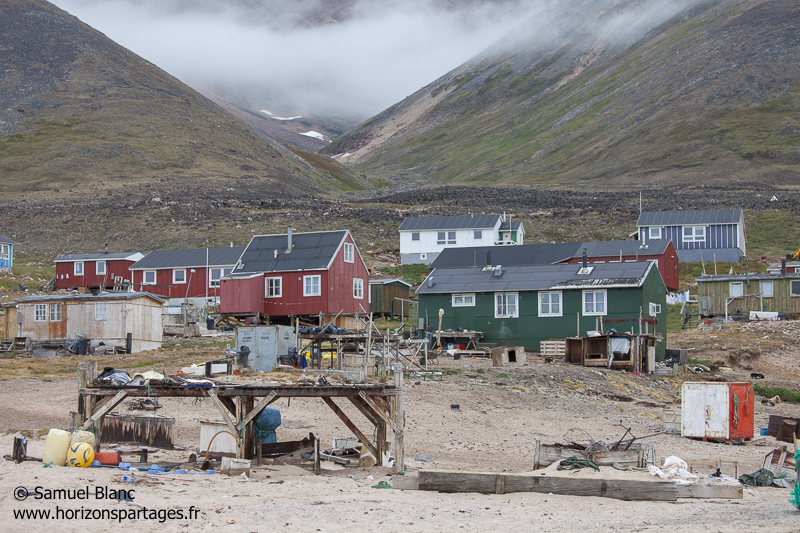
(94, 271)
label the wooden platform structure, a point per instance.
(240, 405)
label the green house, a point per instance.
(389, 297)
(524, 305)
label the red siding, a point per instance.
(336, 288)
(667, 264)
(164, 286)
(65, 274)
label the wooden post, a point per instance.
(399, 419)
(317, 469)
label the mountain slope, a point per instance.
(79, 113)
(629, 92)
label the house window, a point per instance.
(766, 289)
(55, 312)
(464, 300)
(451, 237)
(506, 305)
(179, 275)
(311, 286)
(655, 309)
(477, 234)
(795, 288)
(78, 268)
(441, 237)
(101, 311)
(216, 274)
(100, 268)
(594, 302)
(737, 289)
(423, 257)
(694, 234)
(415, 236)
(273, 287)
(358, 288)
(550, 303)
(655, 233)
(348, 252)
(149, 277)
(40, 313)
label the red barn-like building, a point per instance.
(299, 274)
(182, 274)
(94, 271)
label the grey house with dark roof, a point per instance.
(423, 238)
(702, 235)
(524, 305)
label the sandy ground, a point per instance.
(501, 412)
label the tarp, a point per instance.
(266, 424)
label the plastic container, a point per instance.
(764, 432)
(79, 436)
(107, 458)
(56, 447)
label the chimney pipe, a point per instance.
(289, 236)
(783, 266)
(106, 248)
(488, 258)
(584, 258)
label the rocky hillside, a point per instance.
(634, 93)
(81, 115)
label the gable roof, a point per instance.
(387, 281)
(103, 296)
(456, 222)
(130, 256)
(677, 218)
(310, 251)
(202, 257)
(4, 240)
(536, 278)
(544, 254)
(513, 226)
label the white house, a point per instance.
(423, 238)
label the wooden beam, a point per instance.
(268, 399)
(343, 417)
(381, 413)
(489, 483)
(108, 406)
(732, 492)
(226, 417)
(365, 409)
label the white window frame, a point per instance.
(451, 237)
(477, 234)
(655, 309)
(653, 233)
(100, 311)
(309, 290)
(794, 288)
(423, 257)
(40, 312)
(55, 312)
(415, 236)
(736, 289)
(463, 299)
(548, 295)
(358, 288)
(144, 277)
(215, 274)
(175, 280)
(77, 268)
(696, 234)
(594, 311)
(767, 293)
(349, 253)
(506, 305)
(273, 287)
(100, 271)
(441, 237)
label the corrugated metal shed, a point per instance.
(455, 222)
(697, 217)
(310, 251)
(194, 258)
(535, 278)
(130, 256)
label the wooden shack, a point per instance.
(389, 297)
(108, 317)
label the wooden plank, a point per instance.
(381, 413)
(352, 427)
(226, 417)
(405, 482)
(487, 483)
(268, 399)
(731, 492)
(108, 406)
(365, 409)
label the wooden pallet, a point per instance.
(553, 348)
